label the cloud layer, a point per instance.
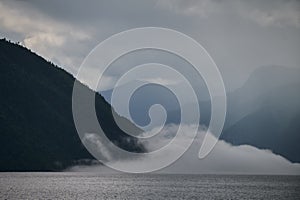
(224, 158)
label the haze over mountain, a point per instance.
(263, 112)
(269, 84)
(37, 128)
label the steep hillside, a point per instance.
(36, 123)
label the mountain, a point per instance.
(265, 112)
(149, 94)
(268, 84)
(262, 113)
(37, 128)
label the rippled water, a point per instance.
(128, 186)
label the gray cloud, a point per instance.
(64, 32)
(224, 158)
(240, 35)
(265, 13)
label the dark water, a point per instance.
(127, 186)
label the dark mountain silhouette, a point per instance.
(37, 128)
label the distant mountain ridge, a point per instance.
(37, 128)
(265, 112)
(262, 113)
(263, 83)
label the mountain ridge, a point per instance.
(37, 128)
(271, 94)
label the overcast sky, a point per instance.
(239, 35)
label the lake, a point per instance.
(71, 185)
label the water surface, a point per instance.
(146, 186)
